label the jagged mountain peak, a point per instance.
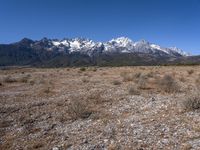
(180, 51)
(119, 45)
(121, 40)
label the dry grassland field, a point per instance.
(91, 108)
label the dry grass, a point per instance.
(82, 69)
(142, 82)
(96, 97)
(78, 108)
(192, 102)
(45, 108)
(127, 76)
(190, 72)
(182, 79)
(22, 78)
(10, 79)
(168, 84)
(197, 83)
(133, 91)
(85, 80)
(25, 79)
(116, 82)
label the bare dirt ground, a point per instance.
(125, 108)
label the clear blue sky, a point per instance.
(164, 22)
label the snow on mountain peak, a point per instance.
(179, 51)
(120, 45)
(122, 40)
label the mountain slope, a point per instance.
(80, 51)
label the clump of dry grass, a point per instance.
(94, 69)
(187, 146)
(142, 82)
(82, 69)
(137, 75)
(25, 79)
(190, 71)
(32, 82)
(116, 82)
(133, 91)
(48, 87)
(192, 102)
(182, 79)
(168, 84)
(150, 74)
(85, 80)
(78, 109)
(127, 76)
(96, 97)
(197, 83)
(10, 79)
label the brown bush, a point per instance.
(142, 82)
(133, 91)
(116, 82)
(150, 74)
(82, 69)
(137, 75)
(85, 80)
(197, 83)
(168, 84)
(78, 109)
(25, 79)
(127, 76)
(190, 72)
(192, 102)
(94, 69)
(182, 79)
(96, 98)
(10, 79)
(48, 87)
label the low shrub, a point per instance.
(82, 69)
(85, 80)
(190, 72)
(192, 102)
(133, 91)
(10, 79)
(142, 82)
(168, 84)
(127, 76)
(78, 109)
(116, 82)
(25, 79)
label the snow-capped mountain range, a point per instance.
(89, 47)
(85, 52)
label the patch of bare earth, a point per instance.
(100, 108)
